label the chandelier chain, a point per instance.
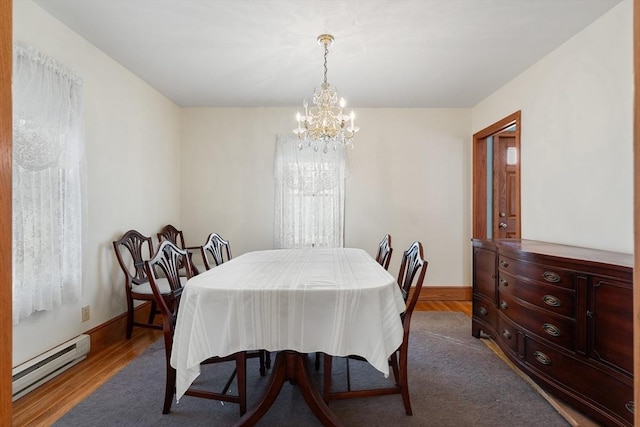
(326, 52)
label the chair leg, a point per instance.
(348, 374)
(404, 383)
(263, 369)
(227, 386)
(129, 319)
(393, 362)
(267, 362)
(326, 388)
(241, 369)
(152, 313)
(170, 388)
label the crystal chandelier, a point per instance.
(324, 124)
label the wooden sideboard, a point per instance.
(564, 316)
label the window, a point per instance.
(47, 208)
(310, 193)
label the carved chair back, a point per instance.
(217, 248)
(137, 246)
(384, 252)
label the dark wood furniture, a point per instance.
(384, 252)
(411, 273)
(215, 251)
(175, 236)
(131, 250)
(564, 316)
(172, 234)
(166, 263)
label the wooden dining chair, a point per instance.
(215, 252)
(412, 272)
(383, 257)
(166, 263)
(175, 236)
(131, 249)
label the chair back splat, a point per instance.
(175, 236)
(216, 249)
(385, 250)
(170, 233)
(166, 263)
(412, 264)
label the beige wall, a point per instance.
(132, 150)
(577, 128)
(409, 176)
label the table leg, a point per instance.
(291, 365)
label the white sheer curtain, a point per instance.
(310, 193)
(47, 204)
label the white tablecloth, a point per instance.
(337, 301)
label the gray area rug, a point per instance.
(454, 380)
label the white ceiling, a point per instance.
(263, 53)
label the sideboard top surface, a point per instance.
(555, 250)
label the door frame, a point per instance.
(636, 205)
(480, 171)
(6, 323)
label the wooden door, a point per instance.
(484, 203)
(506, 185)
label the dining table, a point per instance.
(337, 301)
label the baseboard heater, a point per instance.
(31, 374)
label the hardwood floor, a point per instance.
(46, 404)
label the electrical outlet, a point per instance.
(86, 314)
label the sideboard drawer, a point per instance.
(539, 272)
(507, 335)
(484, 311)
(556, 329)
(553, 298)
(604, 390)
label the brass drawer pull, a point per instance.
(542, 358)
(631, 407)
(503, 282)
(483, 311)
(551, 300)
(506, 334)
(550, 276)
(504, 264)
(551, 329)
(504, 305)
